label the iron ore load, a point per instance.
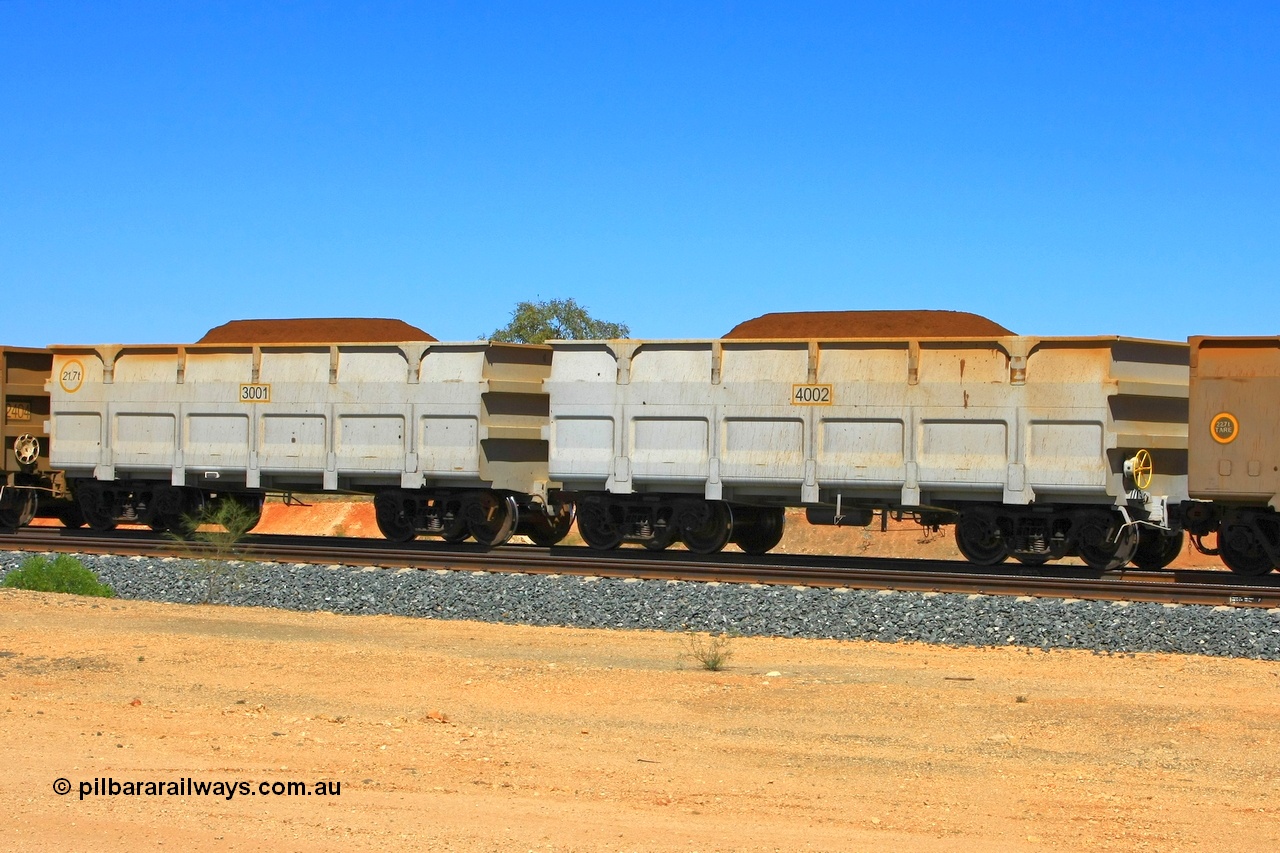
(448, 437)
(1034, 448)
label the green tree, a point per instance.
(563, 319)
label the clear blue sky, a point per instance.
(1063, 168)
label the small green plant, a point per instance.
(710, 651)
(220, 527)
(63, 574)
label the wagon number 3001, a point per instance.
(255, 393)
(811, 395)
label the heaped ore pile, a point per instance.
(869, 324)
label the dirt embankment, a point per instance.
(904, 539)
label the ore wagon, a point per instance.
(30, 486)
(1035, 448)
(448, 437)
(1234, 447)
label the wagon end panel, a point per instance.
(24, 374)
(1092, 404)
(514, 416)
(1234, 415)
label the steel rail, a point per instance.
(1072, 582)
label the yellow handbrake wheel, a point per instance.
(1141, 469)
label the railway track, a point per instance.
(1171, 587)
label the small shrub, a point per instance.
(221, 528)
(62, 574)
(710, 651)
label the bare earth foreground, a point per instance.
(474, 737)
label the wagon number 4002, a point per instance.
(811, 395)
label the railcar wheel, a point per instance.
(1096, 549)
(550, 530)
(21, 513)
(1157, 549)
(597, 528)
(71, 516)
(713, 534)
(100, 524)
(1241, 551)
(663, 538)
(253, 505)
(453, 520)
(764, 534)
(177, 510)
(97, 511)
(392, 521)
(235, 513)
(492, 519)
(979, 540)
(455, 527)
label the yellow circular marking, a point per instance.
(1143, 469)
(1224, 427)
(71, 375)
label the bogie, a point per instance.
(488, 517)
(987, 535)
(160, 506)
(1157, 548)
(1247, 543)
(659, 521)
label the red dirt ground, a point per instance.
(902, 539)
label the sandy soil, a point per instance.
(472, 737)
